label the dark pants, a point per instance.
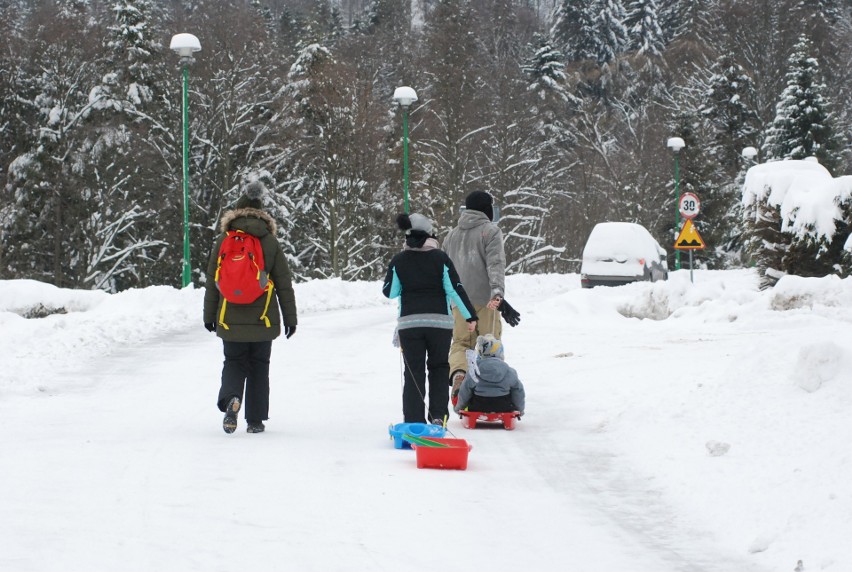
(425, 349)
(501, 404)
(247, 366)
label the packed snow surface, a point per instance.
(670, 426)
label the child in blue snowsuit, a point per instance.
(492, 386)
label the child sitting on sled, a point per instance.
(492, 386)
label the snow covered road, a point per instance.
(115, 460)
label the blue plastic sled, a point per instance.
(416, 429)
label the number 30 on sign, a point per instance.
(689, 205)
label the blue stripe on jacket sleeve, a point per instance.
(396, 286)
(452, 295)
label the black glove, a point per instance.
(211, 327)
(289, 331)
(510, 315)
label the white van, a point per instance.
(618, 253)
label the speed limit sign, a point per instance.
(689, 205)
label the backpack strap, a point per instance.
(222, 314)
(216, 279)
(269, 289)
(218, 268)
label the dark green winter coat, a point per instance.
(244, 320)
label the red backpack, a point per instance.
(240, 273)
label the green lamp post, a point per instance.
(676, 144)
(185, 45)
(405, 96)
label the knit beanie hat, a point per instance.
(414, 223)
(489, 346)
(253, 192)
(482, 202)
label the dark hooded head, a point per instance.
(482, 202)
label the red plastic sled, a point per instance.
(471, 418)
(448, 454)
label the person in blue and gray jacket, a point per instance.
(424, 279)
(493, 386)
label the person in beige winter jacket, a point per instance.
(475, 246)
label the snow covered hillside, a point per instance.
(670, 426)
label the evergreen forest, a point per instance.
(559, 108)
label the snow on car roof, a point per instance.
(628, 238)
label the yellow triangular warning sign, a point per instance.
(688, 239)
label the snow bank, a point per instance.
(826, 295)
(61, 328)
(711, 296)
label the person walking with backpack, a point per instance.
(475, 246)
(423, 277)
(248, 280)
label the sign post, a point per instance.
(689, 239)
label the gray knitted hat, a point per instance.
(414, 222)
(253, 193)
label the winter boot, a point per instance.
(255, 427)
(458, 378)
(229, 424)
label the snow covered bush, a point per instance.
(797, 219)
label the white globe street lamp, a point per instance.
(405, 96)
(184, 45)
